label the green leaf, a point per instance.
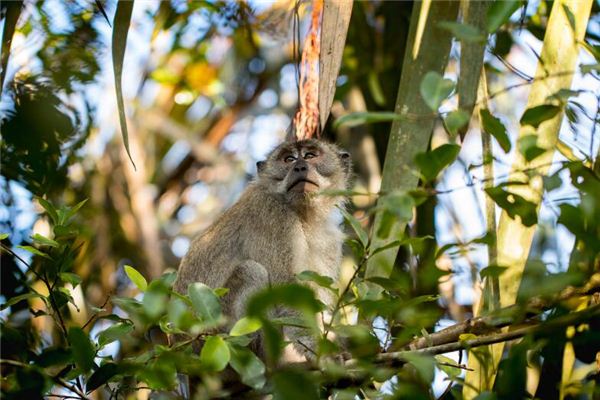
(528, 147)
(292, 295)
(101, 376)
(49, 209)
(205, 302)
(431, 163)
(119, 43)
(138, 280)
(44, 240)
(291, 384)
(215, 354)
(492, 271)
(35, 251)
(312, 276)
(435, 89)
(449, 366)
(17, 299)
(499, 13)
(11, 16)
(514, 205)
(70, 213)
(463, 32)
(154, 303)
(250, 368)
(83, 349)
(245, 326)
(114, 332)
(4, 236)
(496, 128)
(363, 117)
(71, 278)
(361, 234)
(425, 365)
(455, 120)
(534, 116)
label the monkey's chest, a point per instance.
(318, 251)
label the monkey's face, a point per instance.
(298, 170)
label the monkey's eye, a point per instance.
(289, 159)
(309, 155)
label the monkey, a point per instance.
(278, 228)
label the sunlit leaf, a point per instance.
(138, 279)
(35, 251)
(245, 326)
(44, 240)
(119, 43)
(215, 353)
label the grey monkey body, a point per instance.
(277, 229)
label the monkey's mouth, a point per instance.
(303, 185)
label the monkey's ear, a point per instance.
(346, 161)
(260, 166)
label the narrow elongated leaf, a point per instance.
(119, 43)
(205, 302)
(83, 349)
(435, 89)
(312, 276)
(496, 128)
(44, 240)
(35, 251)
(101, 8)
(364, 117)
(137, 278)
(49, 209)
(362, 235)
(16, 299)
(215, 354)
(4, 236)
(13, 10)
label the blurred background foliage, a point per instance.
(210, 87)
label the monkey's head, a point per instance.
(296, 171)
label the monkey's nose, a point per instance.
(300, 168)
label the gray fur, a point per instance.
(273, 232)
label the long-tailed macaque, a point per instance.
(279, 227)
